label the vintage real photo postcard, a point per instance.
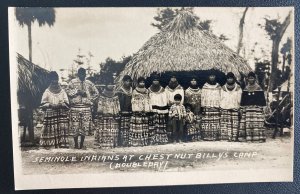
(114, 97)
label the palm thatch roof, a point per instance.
(32, 82)
(182, 46)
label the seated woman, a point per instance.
(252, 105)
(106, 121)
(55, 103)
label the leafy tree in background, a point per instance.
(263, 69)
(275, 30)
(28, 15)
(165, 15)
(109, 69)
(286, 53)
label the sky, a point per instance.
(117, 32)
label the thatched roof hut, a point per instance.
(32, 82)
(182, 47)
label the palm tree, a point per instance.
(28, 15)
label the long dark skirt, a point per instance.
(107, 130)
(139, 130)
(81, 120)
(211, 124)
(229, 124)
(193, 129)
(55, 132)
(158, 128)
(252, 126)
(124, 129)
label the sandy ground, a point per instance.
(192, 156)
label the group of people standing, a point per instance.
(157, 115)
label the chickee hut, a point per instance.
(184, 50)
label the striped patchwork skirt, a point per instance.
(210, 126)
(139, 130)
(252, 126)
(124, 129)
(55, 131)
(107, 131)
(81, 120)
(193, 129)
(229, 124)
(158, 128)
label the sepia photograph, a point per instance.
(136, 96)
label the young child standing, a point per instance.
(177, 114)
(192, 126)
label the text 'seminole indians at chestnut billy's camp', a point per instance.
(113, 97)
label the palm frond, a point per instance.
(32, 82)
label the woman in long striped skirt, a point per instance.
(210, 103)
(55, 103)
(230, 108)
(139, 124)
(159, 113)
(107, 124)
(252, 104)
(192, 98)
(125, 95)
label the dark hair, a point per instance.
(212, 72)
(230, 75)
(173, 75)
(53, 75)
(81, 70)
(193, 78)
(251, 74)
(155, 77)
(109, 80)
(141, 79)
(126, 78)
(177, 97)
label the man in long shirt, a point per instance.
(82, 94)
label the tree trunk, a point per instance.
(283, 63)
(276, 41)
(274, 59)
(30, 42)
(241, 28)
(290, 74)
